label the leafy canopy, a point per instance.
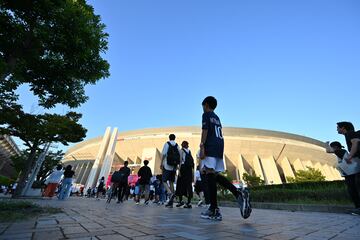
(54, 46)
(309, 175)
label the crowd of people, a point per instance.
(178, 165)
(180, 178)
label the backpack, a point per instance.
(119, 176)
(173, 155)
(189, 160)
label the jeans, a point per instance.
(65, 188)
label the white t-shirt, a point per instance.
(164, 153)
(197, 175)
(55, 176)
(348, 168)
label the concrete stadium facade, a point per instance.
(269, 154)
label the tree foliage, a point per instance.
(309, 175)
(37, 129)
(53, 46)
(51, 160)
(252, 180)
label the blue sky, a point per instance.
(290, 66)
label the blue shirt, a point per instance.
(214, 144)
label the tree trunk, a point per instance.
(25, 173)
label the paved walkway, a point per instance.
(91, 219)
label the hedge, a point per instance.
(308, 192)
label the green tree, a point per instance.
(36, 130)
(309, 175)
(51, 160)
(252, 180)
(55, 48)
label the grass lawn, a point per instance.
(12, 210)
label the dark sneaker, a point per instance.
(244, 203)
(355, 212)
(180, 204)
(207, 214)
(187, 206)
(169, 205)
(217, 215)
(212, 214)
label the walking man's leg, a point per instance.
(353, 189)
(147, 192)
(119, 192)
(205, 188)
(223, 181)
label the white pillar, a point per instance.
(86, 173)
(271, 171)
(81, 172)
(109, 156)
(320, 167)
(95, 170)
(286, 167)
(298, 165)
(241, 168)
(257, 167)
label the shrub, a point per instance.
(5, 180)
(309, 175)
(252, 180)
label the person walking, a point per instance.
(53, 181)
(352, 139)
(185, 177)
(100, 188)
(199, 187)
(122, 184)
(145, 175)
(66, 183)
(212, 163)
(348, 170)
(170, 161)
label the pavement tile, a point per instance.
(191, 236)
(113, 237)
(90, 234)
(16, 236)
(53, 235)
(89, 219)
(70, 230)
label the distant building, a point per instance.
(8, 148)
(271, 155)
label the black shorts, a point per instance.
(168, 175)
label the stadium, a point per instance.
(271, 155)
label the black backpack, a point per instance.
(189, 160)
(173, 155)
(119, 176)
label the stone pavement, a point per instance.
(90, 219)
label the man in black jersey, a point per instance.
(211, 154)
